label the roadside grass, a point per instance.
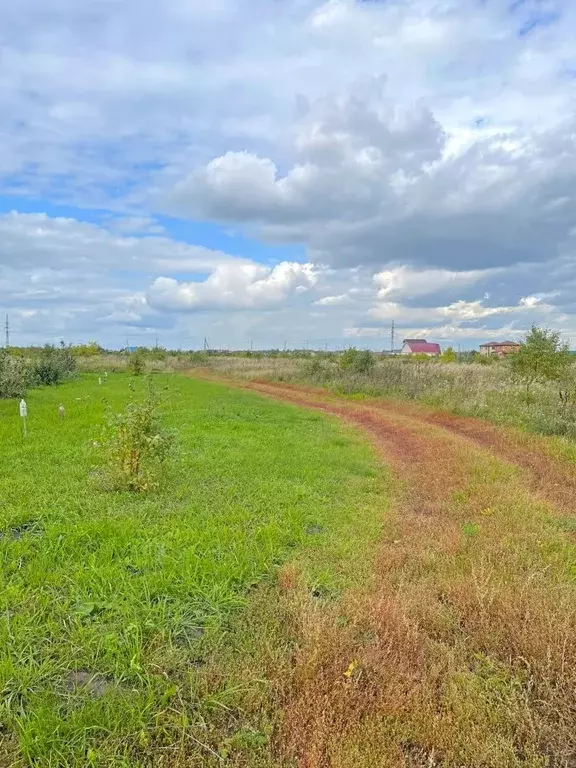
(121, 614)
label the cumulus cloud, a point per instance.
(37, 240)
(404, 282)
(373, 183)
(243, 286)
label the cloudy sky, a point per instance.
(287, 171)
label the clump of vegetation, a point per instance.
(136, 446)
(53, 365)
(91, 349)
(357, 360)
(137, 363)
(448, 356)
(542, 357)
(14, 375)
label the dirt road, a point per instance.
(409, 434)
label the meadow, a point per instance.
(116, 608)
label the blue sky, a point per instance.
(304, 171)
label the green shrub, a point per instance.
(137, 363)
(53, 365)
(15, 375)
(136, 446)
(313, 367)
(357, 360)
(542, 357)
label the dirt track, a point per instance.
(406, 433)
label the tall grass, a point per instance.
(486, 391)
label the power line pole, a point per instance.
(7, 332)
(392, 338)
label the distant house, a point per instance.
(499, 348)
(420, 347)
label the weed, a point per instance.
(136, 446)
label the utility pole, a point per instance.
(251, 346)
(7, 332)
(392, 338)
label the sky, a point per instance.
(287, 172)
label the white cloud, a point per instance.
(403, 282)
(335, 301)
(244, 286)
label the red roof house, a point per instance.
(420, 347)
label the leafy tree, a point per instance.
(357, 360)
(92, 349)
(542, 357)
(448, 356)
(53, 365)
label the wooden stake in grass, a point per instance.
(24, 416)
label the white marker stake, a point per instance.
(24, 415)
(99, 379)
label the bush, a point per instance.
(15, 375)
(92, 349)
(357, 360)
(136, 447)
(136, 363)
(448, 356)
(53, 365)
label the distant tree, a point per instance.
(448, 356)
(92, 349)
(541, 357)
(357, 360)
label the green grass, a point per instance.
(109, 602)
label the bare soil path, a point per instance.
(548, 476)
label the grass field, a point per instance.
(284, 600)
(115, 607)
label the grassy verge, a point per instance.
(117, 611)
